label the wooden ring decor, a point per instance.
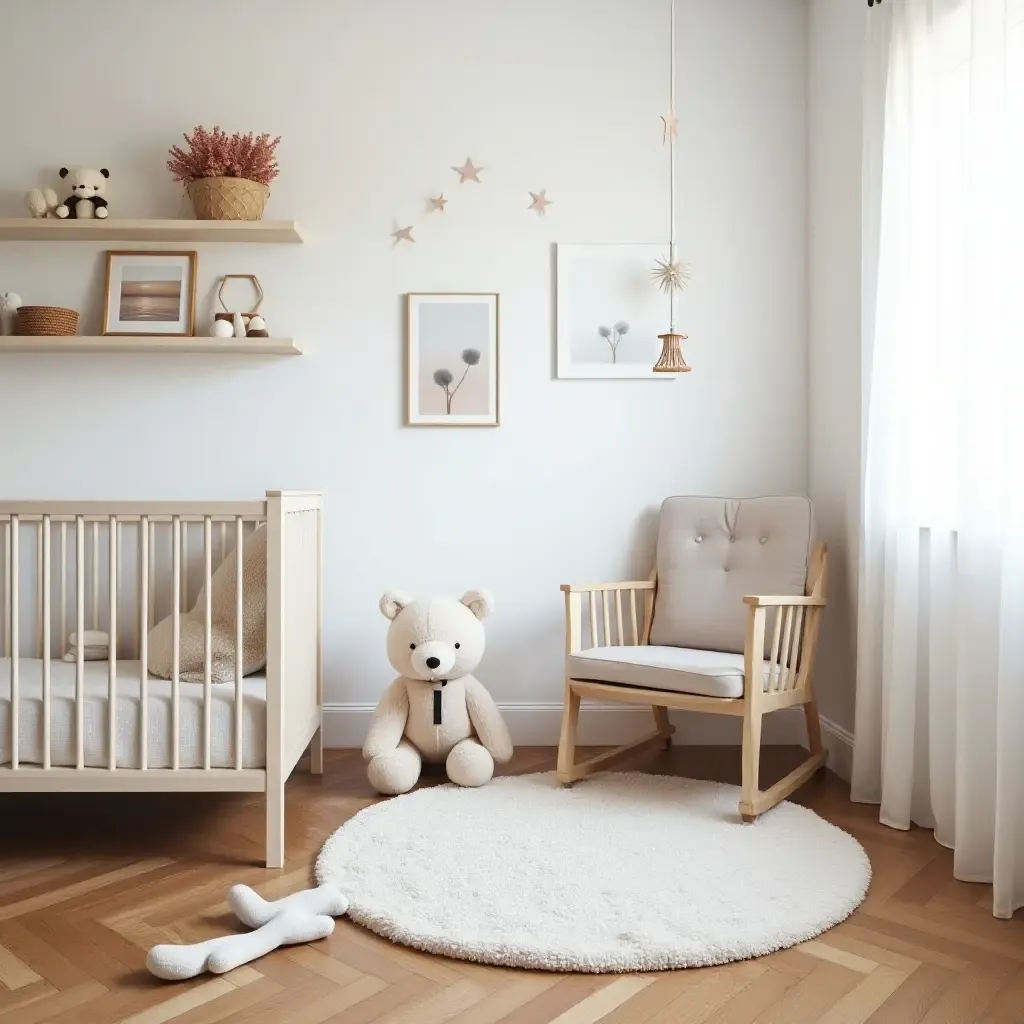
(245, 277)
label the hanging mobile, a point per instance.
(671, 275)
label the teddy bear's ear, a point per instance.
(479, 602)
(64, 172)
(104, 172)
(393, 602)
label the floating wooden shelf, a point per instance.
(139, 343)
(27, 229)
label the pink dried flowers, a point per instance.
(216, 154)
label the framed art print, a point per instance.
(150, 293)
(610, 311)
(451, 361)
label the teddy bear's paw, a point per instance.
(102, 213)
(469, 764)
(395, 772)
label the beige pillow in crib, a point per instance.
(192, 623)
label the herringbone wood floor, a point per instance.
(88, 883)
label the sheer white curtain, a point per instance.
(940, 678)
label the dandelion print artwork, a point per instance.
(614, 335)
(445, 378)
(452, 360)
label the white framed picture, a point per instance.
(150, 292)
(452, 371)
(610, 310)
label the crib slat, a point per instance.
(223, 541)
(175, 642)
(144, 641)
(152, 577)
(63, 637)
(632, 617)
(80, 647)
(184, 566)
(113, 535)
(7, 588)
(15, 642)
(120, 590)
(95, 578)
(592, 604)
(238, 641)
(46, 640)
(207, 639)
(604, 615)
(39, 588)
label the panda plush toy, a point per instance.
(88, 186)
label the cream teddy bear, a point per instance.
(435, 711)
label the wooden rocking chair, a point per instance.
(702, 642)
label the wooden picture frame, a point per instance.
(150, 293)
(452, 359)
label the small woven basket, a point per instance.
(228, 198)
(47, 321)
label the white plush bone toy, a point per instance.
(302, 917)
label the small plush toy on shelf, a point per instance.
(42, 202)
(10, 302)
(88, 187)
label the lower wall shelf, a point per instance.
(148, 343)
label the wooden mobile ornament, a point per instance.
(672, 360)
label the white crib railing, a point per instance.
(133, 583)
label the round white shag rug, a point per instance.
(622, 872)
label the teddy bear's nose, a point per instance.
(433, 662)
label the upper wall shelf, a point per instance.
(113, 229)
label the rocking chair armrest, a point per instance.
(585, 588)
(783, 601)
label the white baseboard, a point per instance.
(839, 744)
(538, 725)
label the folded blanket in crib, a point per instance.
(192, 645)
(96, 646)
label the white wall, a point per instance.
(375, 101)
(834, 436)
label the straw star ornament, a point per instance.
(669, 126)
(671, 275)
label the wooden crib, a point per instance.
(98, 726)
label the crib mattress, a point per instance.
(129, 705)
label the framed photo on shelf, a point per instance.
(150, 293)
(451, 359)
(610, 311)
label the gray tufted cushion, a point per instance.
(714, 551)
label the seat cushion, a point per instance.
(712, 552)
(675, 669)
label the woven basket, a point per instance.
(228, 198)
(48, 321)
